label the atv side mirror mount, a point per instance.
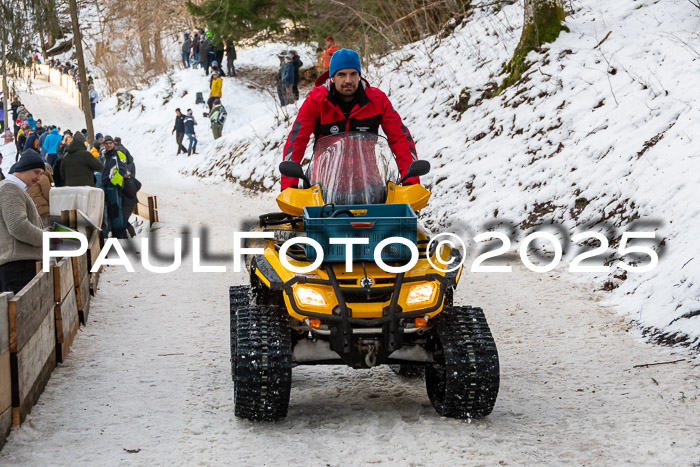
(293, 169)
(416, 169)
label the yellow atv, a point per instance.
(358, 312)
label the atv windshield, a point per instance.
(353, 168)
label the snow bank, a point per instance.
(599, 135)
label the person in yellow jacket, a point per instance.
(95, 151)
(215, 91)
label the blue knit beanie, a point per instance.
(345, 58)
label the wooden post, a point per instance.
(5, 370)
(32, 325)
(151, 211)
(69, 218)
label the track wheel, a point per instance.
(239, 296)
(464, 381)
(262, 366)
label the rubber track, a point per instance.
(466, 386)
(239, 296)
(408, 371)
(263, 363)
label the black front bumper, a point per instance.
(341, 338)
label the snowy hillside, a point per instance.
(600, 134)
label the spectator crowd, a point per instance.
(67, 159)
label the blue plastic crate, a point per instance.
(373, 221)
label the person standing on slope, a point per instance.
(94, 98)
(215, 89)
(327, 54)
(179, 130)
(190, 122)
(287, 81)
(203, 53)
(186, 49)
(296, 61)
(217, 117)
(230, 57)
(343, 101)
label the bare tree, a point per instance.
(4, 87)
(84, 99)
(543, 21)
(129, 44)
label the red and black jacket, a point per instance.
(321, 115)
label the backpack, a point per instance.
(221, 119)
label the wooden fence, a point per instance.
(5, 373)
(37, 328)
(65, 81)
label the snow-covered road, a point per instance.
(148, 380)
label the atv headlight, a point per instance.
(308, 296)
(421, 293)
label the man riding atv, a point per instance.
(342, 102)
(345, 274)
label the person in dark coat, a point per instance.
(230, 57)
(203, 54)
(186, 49)
(42, 138)
(113, 175)
(296, 61)
(211, 56)
(78, 166)
(219, 53)
(195, 50)
(179, 130)
(130, 187)
(40, 128)
(129, 192)
(21, 140)
(120, 147)
(63, 145)
(14, 105)
(287, 81)
(32, 141)
(2, 175)
(216, 68)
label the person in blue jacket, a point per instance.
(31, 121)
(51, 146)
(42, 138)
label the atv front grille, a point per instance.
(364, 296)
